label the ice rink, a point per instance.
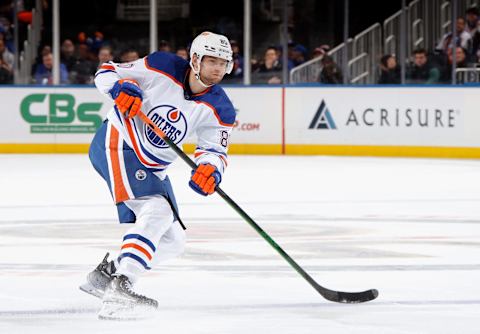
(407, 227)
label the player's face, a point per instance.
(212, 70)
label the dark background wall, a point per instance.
(311, 22)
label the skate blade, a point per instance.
(90, 289)
(125, 311)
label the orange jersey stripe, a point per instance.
(138, 247)
(204, 92)
(135, 145)
(224, 160)
(107, 67)
(120, 191)
(198, 154)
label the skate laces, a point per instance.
(127, 285)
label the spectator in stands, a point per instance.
(67, 54)
(236, 76)
(164, 46)
(270, 71)
(45, 49)
(96, 42)
(255, 62)
(320, 51)
(84, 69)
(290, 55)
(331, 73)
(6, 35)
(43, 73)
(461, 62)
(129, 55)
(82, 37)
(463, 38)
(472, 14)
(182, 52)
(390, 71)
(475, 54)
(105, 55)
(422, 71)
(299, 55)
(6, 64)
(237, 60)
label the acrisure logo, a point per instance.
(322, 119)
(60, 115)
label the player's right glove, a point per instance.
(128, 96)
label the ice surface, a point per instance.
(408, 227)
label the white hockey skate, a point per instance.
(120, 302)
(98, 279)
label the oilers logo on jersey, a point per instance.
(171, 121)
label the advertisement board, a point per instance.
(393, 121)
(401, 116)
(381, 118)
(65, 118)
(258, 125)
(51, 115)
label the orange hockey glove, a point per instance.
(128, 96)
(204, 179)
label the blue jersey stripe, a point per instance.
(211, 150)
(135, 257)
(139, 237)
(120, 118)
(105, 71)
(148, 154)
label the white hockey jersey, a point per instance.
(209, 115)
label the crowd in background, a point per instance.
(82, 55)
(80, 59)
(6, 44)
(435, 66)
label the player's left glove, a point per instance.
(128, 96)
(204, 179)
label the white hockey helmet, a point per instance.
(214, 45)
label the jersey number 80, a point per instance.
(224, 138)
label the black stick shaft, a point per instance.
(328, 294)
(236, 207)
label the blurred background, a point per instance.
(274, 41)
(334, 77)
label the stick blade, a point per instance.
(348, 297)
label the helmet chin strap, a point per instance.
(197, 74)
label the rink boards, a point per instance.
(440, 121)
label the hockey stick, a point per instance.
(332, 295)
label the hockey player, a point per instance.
(182, 98)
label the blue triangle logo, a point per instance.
(322, 119)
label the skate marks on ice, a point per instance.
(237, 307)
(416, 241)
